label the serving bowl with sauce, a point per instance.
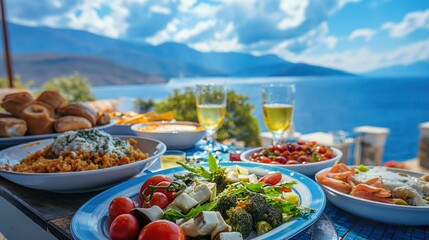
(175, 135)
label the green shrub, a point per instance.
(239, 122)
(17, 82)
(142, 106)
(73, 88)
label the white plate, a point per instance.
(83, 181)
(91, 220)
(12, 141)
(382, 212)
(308, 169)
(176, 139)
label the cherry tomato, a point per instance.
(125, 226)
(162, 229)
(158, 199)
(153, 181)
(292, 162)
(281, 159)
(286, 189)
(266, 160)
(272, 178)
(120, 205)
(170, 195)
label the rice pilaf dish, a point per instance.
(80, 151)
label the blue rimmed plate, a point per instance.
(91, 222)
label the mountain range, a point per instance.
(418, 69)
(40, 53)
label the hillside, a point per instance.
(418, 69)
(43, 67)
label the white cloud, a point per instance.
(364, 33)
(86, 16)
(218, 45)
(295, 13)
(362, 59)
(166, 34)
(185, 34)
(305, 43)
(185, 5)
(159, 9)
(410, 23)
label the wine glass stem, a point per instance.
(210, 135)
(277, 137)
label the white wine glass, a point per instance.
(277, 106)
(211, 109)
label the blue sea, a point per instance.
(327, 104)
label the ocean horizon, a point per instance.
(323, 104)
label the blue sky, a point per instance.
(352, 35)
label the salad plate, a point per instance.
(91, 220)
(379, 211)
(81, 181)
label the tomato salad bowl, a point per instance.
(304, 157)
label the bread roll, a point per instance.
(103, 118)
(79, 109)
(16, 102)
(52, 98)
(71, 123)
(12, 127)
(39, 118)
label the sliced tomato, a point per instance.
(272, 178)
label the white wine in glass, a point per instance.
(277, 107)
(211, 109)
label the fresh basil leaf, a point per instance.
(255, 187)
(288, 184)
(172, 215)
(212, 161)
(200, 208)
(198, 170)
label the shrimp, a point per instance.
(340, 167)
(372, 197)
(335, 184)
(372, 190)
(339, 178)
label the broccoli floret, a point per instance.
(256, 206)
(240, 221)
(220, 180)
(273, 216)
(262, 227)
(225, 203)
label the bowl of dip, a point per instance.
(175, 135)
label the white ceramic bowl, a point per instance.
(83, 181)
(309, 169)
(382, 212)
(172, 134)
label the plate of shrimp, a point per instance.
(388, 195)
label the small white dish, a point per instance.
(308, 169)
(175, 135)
(83, 181)
(382, 212)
